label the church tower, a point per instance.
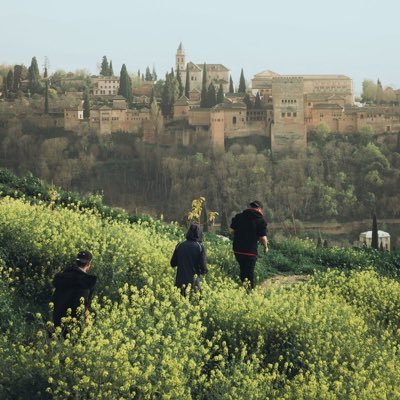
(180, 59)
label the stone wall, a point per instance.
(288, 131)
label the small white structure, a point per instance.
(383, 238)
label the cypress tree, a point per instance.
(148, 76)
(34, 77)
(211, 96)
(154, 73)
(247, 101)
(242, 83)
(220, 94)
(257, 102)
(168, 95)
(17, 78)
(5, 90)
(187, 83)
(9, 82)
(105, 68)
(125, 84)
(111, 71)
(374, 239)
(204, 94)
(46, 96)
(179, 80)
(231, 88)
(204, 216)
(86, 105)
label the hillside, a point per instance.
(334, 335)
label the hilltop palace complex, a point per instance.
(291, 106)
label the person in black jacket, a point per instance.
(71, 285)
(190, 258)
(249, 227)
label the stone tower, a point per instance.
(288, 133)
(217, 124)
(180, 59)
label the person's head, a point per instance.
(256, 204)
(194, 233)
(83, 259)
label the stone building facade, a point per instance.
(288, 131)
(107, 119)
(104, 85)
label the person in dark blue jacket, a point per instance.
(249, 227)
(190, 258)
(71, 285)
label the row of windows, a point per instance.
(104, 92)
(289, 101)
(289, 114)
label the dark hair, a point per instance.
(256, 204)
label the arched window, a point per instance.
(234, 120)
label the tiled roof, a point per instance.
(213, 67)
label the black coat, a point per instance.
(249, 227)
(71, 285)
(190, 258)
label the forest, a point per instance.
(341, 177)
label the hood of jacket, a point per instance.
(194, 233)
(74, 277)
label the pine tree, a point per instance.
(211, 96)
(231, 88)
(374, 239)
(86, 105)
(125, 84)
(220, 94)
(242, 83)
(257, 102)
(179, 80)
(187, 83)
(34, 77)
(204, 94)
(111, 70)
(105, 68)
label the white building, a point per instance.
(383, 238)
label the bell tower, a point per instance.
(180, 59)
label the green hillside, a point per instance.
(334, 336)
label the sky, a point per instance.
(357, 38)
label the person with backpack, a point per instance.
(190, 259)
(249, 227)
(71, 285)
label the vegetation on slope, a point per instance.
(334, 336)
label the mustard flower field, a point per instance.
(334, 336)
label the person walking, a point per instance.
(71, 285)
(249, 227)
(190, 259)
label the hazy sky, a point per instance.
(358, 38)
